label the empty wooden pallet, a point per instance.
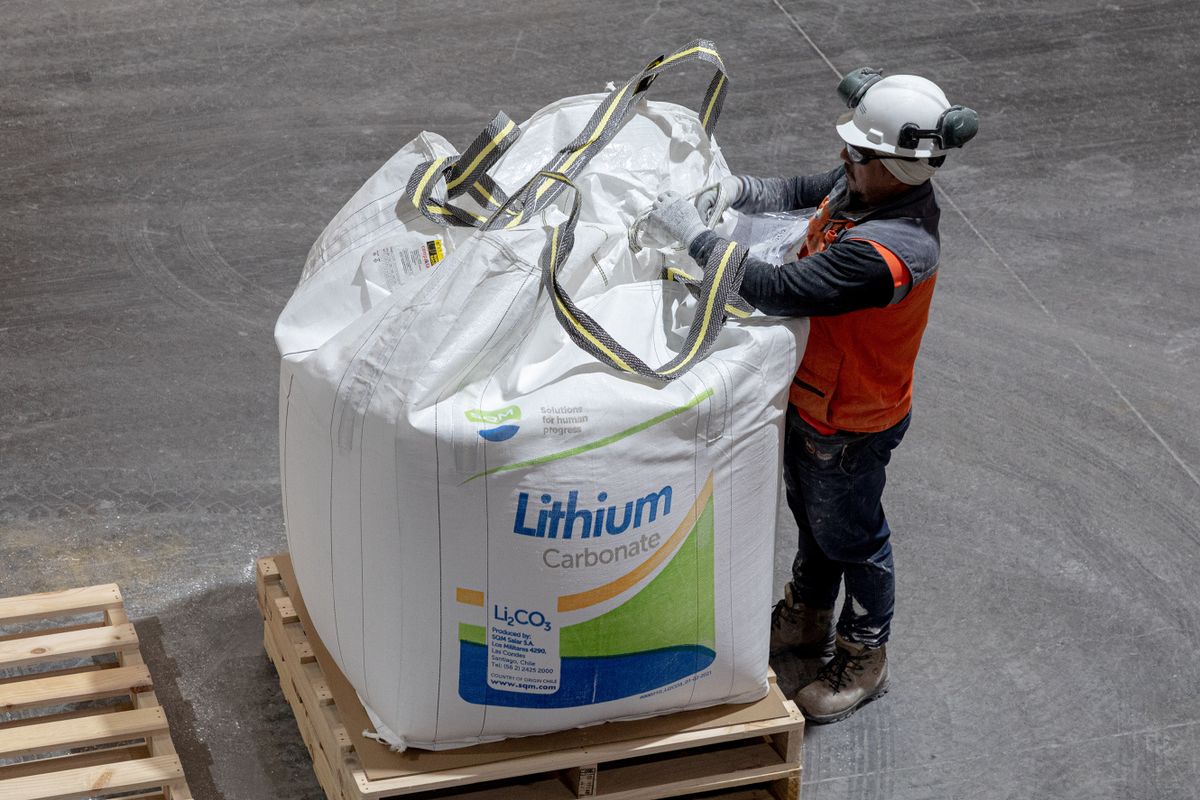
(78, 713)
(750, 752)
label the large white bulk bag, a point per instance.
(502, 519)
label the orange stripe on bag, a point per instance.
(469, 597)
(574, 602)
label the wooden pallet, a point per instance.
(756, 753)
(78, 713)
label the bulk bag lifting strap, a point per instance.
(735, 306)
(717, 293)
(467, 172)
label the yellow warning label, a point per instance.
(436, 251)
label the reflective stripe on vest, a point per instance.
(901, 277)
(856, 374)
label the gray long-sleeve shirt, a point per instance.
(847, 276)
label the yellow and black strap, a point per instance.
(716, 291)
(608, 118)
(716, 294)
(464, 174)
(467, 173)
(735, 306)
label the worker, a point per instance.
(864, 276)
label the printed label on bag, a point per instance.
(563, 420)
(522, 648)
(395, 263)
(640, 615)
(434, 251)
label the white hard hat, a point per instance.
(905, 115)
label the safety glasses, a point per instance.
(863, 156)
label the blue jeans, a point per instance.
(834, 488)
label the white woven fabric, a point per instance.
(495, 534)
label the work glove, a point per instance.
(674, 219)
(728, 190)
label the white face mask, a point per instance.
(914, 173)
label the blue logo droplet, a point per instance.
(500, 434)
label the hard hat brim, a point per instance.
(851, 134)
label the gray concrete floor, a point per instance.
(164, 166)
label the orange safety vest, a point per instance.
(857, 370)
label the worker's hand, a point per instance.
(674, 219)
(724, 193)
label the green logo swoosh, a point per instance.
(506, 414)
(607, 440)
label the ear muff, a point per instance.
(955, 127)
(958, 125)
(855, 84)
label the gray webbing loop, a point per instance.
(466, 173)
(715, 292)
(608, 118)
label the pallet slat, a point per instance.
(93, 729)
(70, 711)
(87, 758)
(58, 629)
(72, 644)
(571, 757)
(56, 604)
(60, 689)
(146, 773)
(96, 729)
(752, 761)
(536, 788)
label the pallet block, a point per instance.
(683, 755)
(80, 731)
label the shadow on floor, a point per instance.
(793, 672)
(235, 733)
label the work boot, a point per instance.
(856, 675)
(807, 632)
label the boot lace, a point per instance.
(841, 670)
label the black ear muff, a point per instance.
(955, 127)
(852, 87)
(958, 126)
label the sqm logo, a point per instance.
(501, 419)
